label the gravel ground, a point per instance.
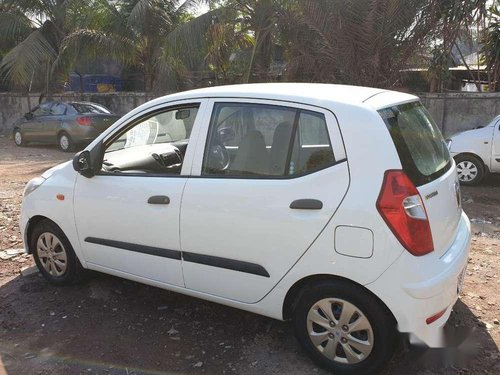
(113, 326)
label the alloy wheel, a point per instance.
(52, 254)
(467, 171)
(64, 142)
(18, 138)
(340, 331)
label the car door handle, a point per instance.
(306, 204)
(159, 199)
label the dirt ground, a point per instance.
(112, 326)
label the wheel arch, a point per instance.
(32, 222)
(303, 284)
(61, 132)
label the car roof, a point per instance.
(307, 93)
(83, 102)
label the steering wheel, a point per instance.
(219, 157)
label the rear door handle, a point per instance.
(159, 199)
(306, 204)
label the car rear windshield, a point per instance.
(89, 108)
(420, 145)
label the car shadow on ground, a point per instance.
(112, 326)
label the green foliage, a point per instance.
(364, 42)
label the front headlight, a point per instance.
(33, 184)
(448, 144)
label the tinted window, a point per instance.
(264, 140)
(58, 109)
(420, 145)
(87, 108)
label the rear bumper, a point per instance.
(85, 135)
(416, 288)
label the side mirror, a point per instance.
(82, 163)
(28, 115)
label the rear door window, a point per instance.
(419, 143)
(259, 140)
(58, 109)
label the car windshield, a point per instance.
(86, 108)
(418, 141)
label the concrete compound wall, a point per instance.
(456, 112)
(453, 112)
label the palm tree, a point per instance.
(38, 27)
(454, 22)
(225, 39)
(364, 42)
(491, 49)
(161, 38)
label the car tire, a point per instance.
(19, 138)
(470, 169)
(54, 255)
(332, 346)
(65, 142)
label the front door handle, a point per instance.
(159, 199)
(306, 204)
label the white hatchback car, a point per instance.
(476, 152)
(336, 207)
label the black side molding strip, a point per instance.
(165, 253)
(230, 264)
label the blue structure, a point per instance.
(94, 83)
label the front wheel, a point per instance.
(470, 169)
(19, 138)
(344, 328)
(65, 142)
(54, 255)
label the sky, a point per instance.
(203, 8)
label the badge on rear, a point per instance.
(431, 195)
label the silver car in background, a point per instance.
(66, 124)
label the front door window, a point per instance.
(156, 144)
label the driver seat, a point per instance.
(252, 155)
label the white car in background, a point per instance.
(335, 207)
(476, 152)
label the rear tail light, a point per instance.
(401, 206)
(84, 120)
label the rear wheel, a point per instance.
(19, 138)
(54, 255)
(65, 142)
(470, 169)
(344, 328)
